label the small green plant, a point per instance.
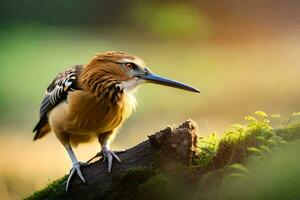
(255, 142)
(207, 149)
(256, 138)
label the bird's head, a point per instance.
(127, 71)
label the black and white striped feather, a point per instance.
(58, 91)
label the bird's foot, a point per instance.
(109, 155)
(100, 154)
(76, 168)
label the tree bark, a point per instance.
(162, 149)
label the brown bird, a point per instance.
(93, 100)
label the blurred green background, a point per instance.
(242, 55)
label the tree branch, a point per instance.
(161, 151)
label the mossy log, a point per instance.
(162, 150)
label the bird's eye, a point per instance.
(130, 66)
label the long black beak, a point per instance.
(152, 78)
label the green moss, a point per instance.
(54, 191)
(207, 150)
(242, 146)
(136, 175)
(128, 186)
(157, 188)
(290, 132)
(240, 142)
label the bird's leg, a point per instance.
(107, 154)
(76, 165)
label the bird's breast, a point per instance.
(84, 114)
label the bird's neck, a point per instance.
(106, 87)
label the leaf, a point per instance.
(239, 167)
(272, 142)
(237, 175)
(261, 138)
(283, 142)
(250, 119)
(265, 149)
(254, 150)
(261, 114)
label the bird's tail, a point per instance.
(41, 129)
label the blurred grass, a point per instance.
(235, 79)
(276, 178)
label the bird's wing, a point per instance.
(58, 90)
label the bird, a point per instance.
(92, 101)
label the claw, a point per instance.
(100, 154)
(109, 155)
(76, 167)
